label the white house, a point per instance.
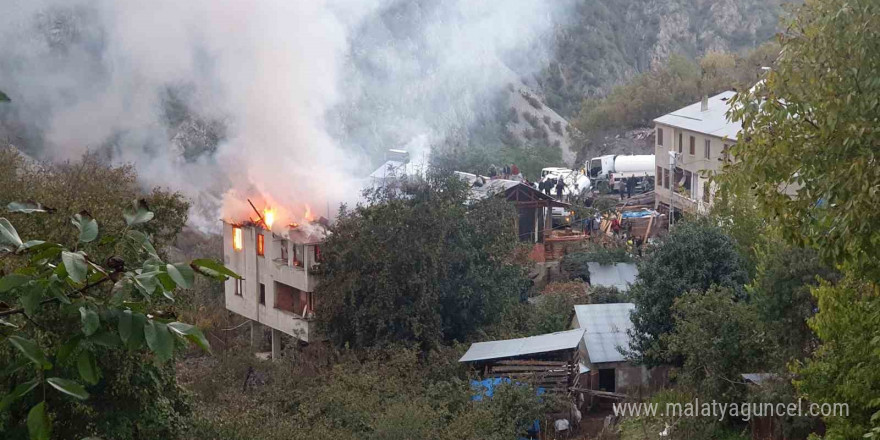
(699, 136)
(280, 272)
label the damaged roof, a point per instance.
(481, 351)
(605, 329)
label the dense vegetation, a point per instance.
(84, 311)
(420, 265)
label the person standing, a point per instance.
(560, 185)
(630, 186)
(514, 170)
(621, 187)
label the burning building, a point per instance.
(280, 271)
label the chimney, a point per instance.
(704, 104)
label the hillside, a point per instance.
(605, 42)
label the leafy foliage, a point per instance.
(397, 393)
(811, 128)
(719, 338)
(782, 298)
(69, 304)
(420, 265)
(843, 369)
(695, 256)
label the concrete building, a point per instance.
(699, 135)
(280, 272)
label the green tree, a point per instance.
(844, 368)
(424, 264)
(718, 338)
(695, 256)
(811, 129)
(782, 298)
(70, 311)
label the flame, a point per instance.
(236, 238)
(308, 215)
(268, 217)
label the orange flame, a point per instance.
(236, 238)
(308, 215)
(268, 217)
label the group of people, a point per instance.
(549, 185)
(506, 172)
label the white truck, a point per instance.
(610, 168)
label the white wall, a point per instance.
(266, 270)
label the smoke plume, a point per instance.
(289, 103)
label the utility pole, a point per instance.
(672, 160)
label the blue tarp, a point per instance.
(637, 214)
(486, 387)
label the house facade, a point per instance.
(280, 272)
(699, 137)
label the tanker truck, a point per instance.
(606, 171)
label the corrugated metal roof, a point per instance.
(619, 275)
(713, 121)
(605, 327)
(550, 342)
(757, 378)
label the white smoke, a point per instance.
(305, 93)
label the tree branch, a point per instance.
(50, 300)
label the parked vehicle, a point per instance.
(609, 169)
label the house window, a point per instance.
(284, 251)
(292, 300)
(658, 178)
(680, 143)
(706, 148)
(262, 294)
(239, 286)
(659, 136)
(318, 257)
(261, 245)
(298, 254)
(693, 145)
(665, 178)
(236, 238)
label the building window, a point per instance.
(262, 294)
(236, 238)
(292, 300)
(298, 253)
(665, 178)
(239, 286)
(706, 148)
(283, 249)
(693, 145)
(261, 245)
(680, 143)
(659, 136)
(318, 257)
(658, 178)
